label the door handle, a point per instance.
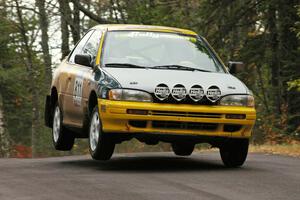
(69, 78)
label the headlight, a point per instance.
(129, 95)
(237, 100)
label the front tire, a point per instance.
(182, 149)
(234, 152)
(101, 145)
(62, 139)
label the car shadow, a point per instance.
(153, 163)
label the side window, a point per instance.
(79, 47)
(92, 45)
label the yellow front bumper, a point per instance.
(115, 118)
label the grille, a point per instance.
(232, 128)
(184, 125)
(138, 124)
(187, 100)
(186, 114)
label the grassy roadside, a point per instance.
(292, 149)
(280, 149)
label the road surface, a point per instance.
(150, 176)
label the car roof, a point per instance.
(123, 27)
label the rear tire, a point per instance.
(182, 149)
(62, 139)
(100, 144)
(234, 152)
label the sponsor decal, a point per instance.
(178, 92)
(145, 34)
(196, 93)
(231, 87)
(133, 83)
(162, 91)
(77, 92)
(213, 93)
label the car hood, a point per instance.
(148, 79)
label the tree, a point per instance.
(75, 23)
(4, 137)
(64, 17)
(44, 24)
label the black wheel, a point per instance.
(101, 145)
(234, 152)
(182, 149)
(62, 139)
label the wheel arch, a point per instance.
(49, 106)
(92, 102)
(54, 96)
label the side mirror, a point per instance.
(235, 67)
(83, 59)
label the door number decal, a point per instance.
(77, 93)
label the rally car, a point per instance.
(151, 83)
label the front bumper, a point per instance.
(182, 119)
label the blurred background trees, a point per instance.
(36, 34)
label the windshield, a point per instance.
(158, 50)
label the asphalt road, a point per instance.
(150, 176)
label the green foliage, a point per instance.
(294, 84)
(16, 104)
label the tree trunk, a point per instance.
(88, 13)
(4, 138)
(274, 62)
(65, 49)
(75, 26)
(44, 24)
(32, 75)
